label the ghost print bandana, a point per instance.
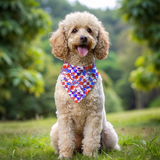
(78, 80)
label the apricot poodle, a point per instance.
(79, 97)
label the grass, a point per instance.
(139, 138)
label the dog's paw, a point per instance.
(64, 156)
(56, 152)
(60, 156)
(117, 147)
(91, 154)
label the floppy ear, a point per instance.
(101, 49)
(58, 42)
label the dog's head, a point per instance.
(80, 33)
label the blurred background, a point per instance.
(28, 70)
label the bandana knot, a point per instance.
(78, 80)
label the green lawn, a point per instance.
(139, 138)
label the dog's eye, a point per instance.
(89, 30)
(74, 31)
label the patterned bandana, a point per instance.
(78, 80)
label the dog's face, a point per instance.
(80, 33)
(82, 38)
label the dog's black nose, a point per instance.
(83, 38)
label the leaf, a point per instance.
(27, 83)
(16, 81)
(5, 5)
(7, 59)
(29, 77)
(140, 61)
(5, 94)
(13, 5)
(4, 32)
(135, 12)
(1, 74)
(18, 31)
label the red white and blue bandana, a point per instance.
(78, 80)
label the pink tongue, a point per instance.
(82, 51)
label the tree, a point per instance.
(128, 51)
(21, 62)
(144, 17)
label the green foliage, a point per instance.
(144, 16)
(26, 106)
(107, 81)
(112, 101)
(21, 62)
(127, 53)
(125, 92)
(155, 102)
(146, 76)
(110, 66)
(109, 70)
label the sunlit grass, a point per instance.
(135, 117)
(139, 138)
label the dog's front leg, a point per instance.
(92, 131)
(66, 136)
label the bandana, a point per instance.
(78, 80)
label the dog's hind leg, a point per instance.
(54, 137)
(109, 135)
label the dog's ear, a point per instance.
(101, 49)
(58, 42)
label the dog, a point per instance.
(79, 97)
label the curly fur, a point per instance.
(101, 49)
(59, 43)
(81, 125)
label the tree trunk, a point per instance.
(138, 99)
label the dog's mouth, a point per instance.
(82, 50)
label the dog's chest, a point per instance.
(79, 114)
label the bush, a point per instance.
(155, 102)
(112, 101)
